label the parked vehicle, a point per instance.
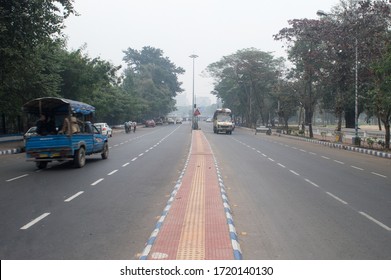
(159, 122)
(222, 121)
(62, 144)
(104, 128)
(150, 123)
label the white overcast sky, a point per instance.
(209, 28)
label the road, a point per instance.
(297, 200)
(115, 202)
(290, 199)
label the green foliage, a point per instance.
(245, 82)
(30, 36)
(153, 80)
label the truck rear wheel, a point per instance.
(41, 164)
(80, 157)
(105, 153)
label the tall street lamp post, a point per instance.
(193, 56)
(356, 138)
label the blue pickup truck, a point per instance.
(61, 142)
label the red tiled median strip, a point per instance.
(196, 223)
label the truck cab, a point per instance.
(222, 121)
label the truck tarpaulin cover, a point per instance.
(50, 104)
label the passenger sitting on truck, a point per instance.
(70, 126)
(42, 125)
(51, 126)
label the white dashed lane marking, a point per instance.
(112, 172)
(358, 168)
(380, 175)
(73, 196)
(329, 193)
(16, 178)
(36, 220)
(97, 181)
(294, 172)
(337, 198)
(375, 221)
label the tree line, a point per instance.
(34, 62)
(339, 60)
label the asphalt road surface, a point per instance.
(290, 199)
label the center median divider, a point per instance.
(197, 223)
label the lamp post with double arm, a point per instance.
(193, 56)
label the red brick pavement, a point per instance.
(195, 227)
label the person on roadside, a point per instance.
(134, 124)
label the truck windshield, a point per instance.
(223, 118)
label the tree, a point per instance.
(354, 35)
(380, 96)
(30, 35)
(306, 53)
(245, 82)
(155, 80)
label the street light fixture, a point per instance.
(193, 56)
(356, 138)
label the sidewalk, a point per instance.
(196, 223)
(330, 141)
(11, 144)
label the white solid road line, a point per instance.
(36, 220)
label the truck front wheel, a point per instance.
(105, 152)
(80, 157)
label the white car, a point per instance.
(104, 128)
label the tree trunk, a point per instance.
(387, 136)
(350, 118)
(308, 120)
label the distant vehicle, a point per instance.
(65, 144)
(179, 120)
(104, 128)
(209, 120)
(150, 123)
(222, 121)
(170, 121)
(159, 122)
